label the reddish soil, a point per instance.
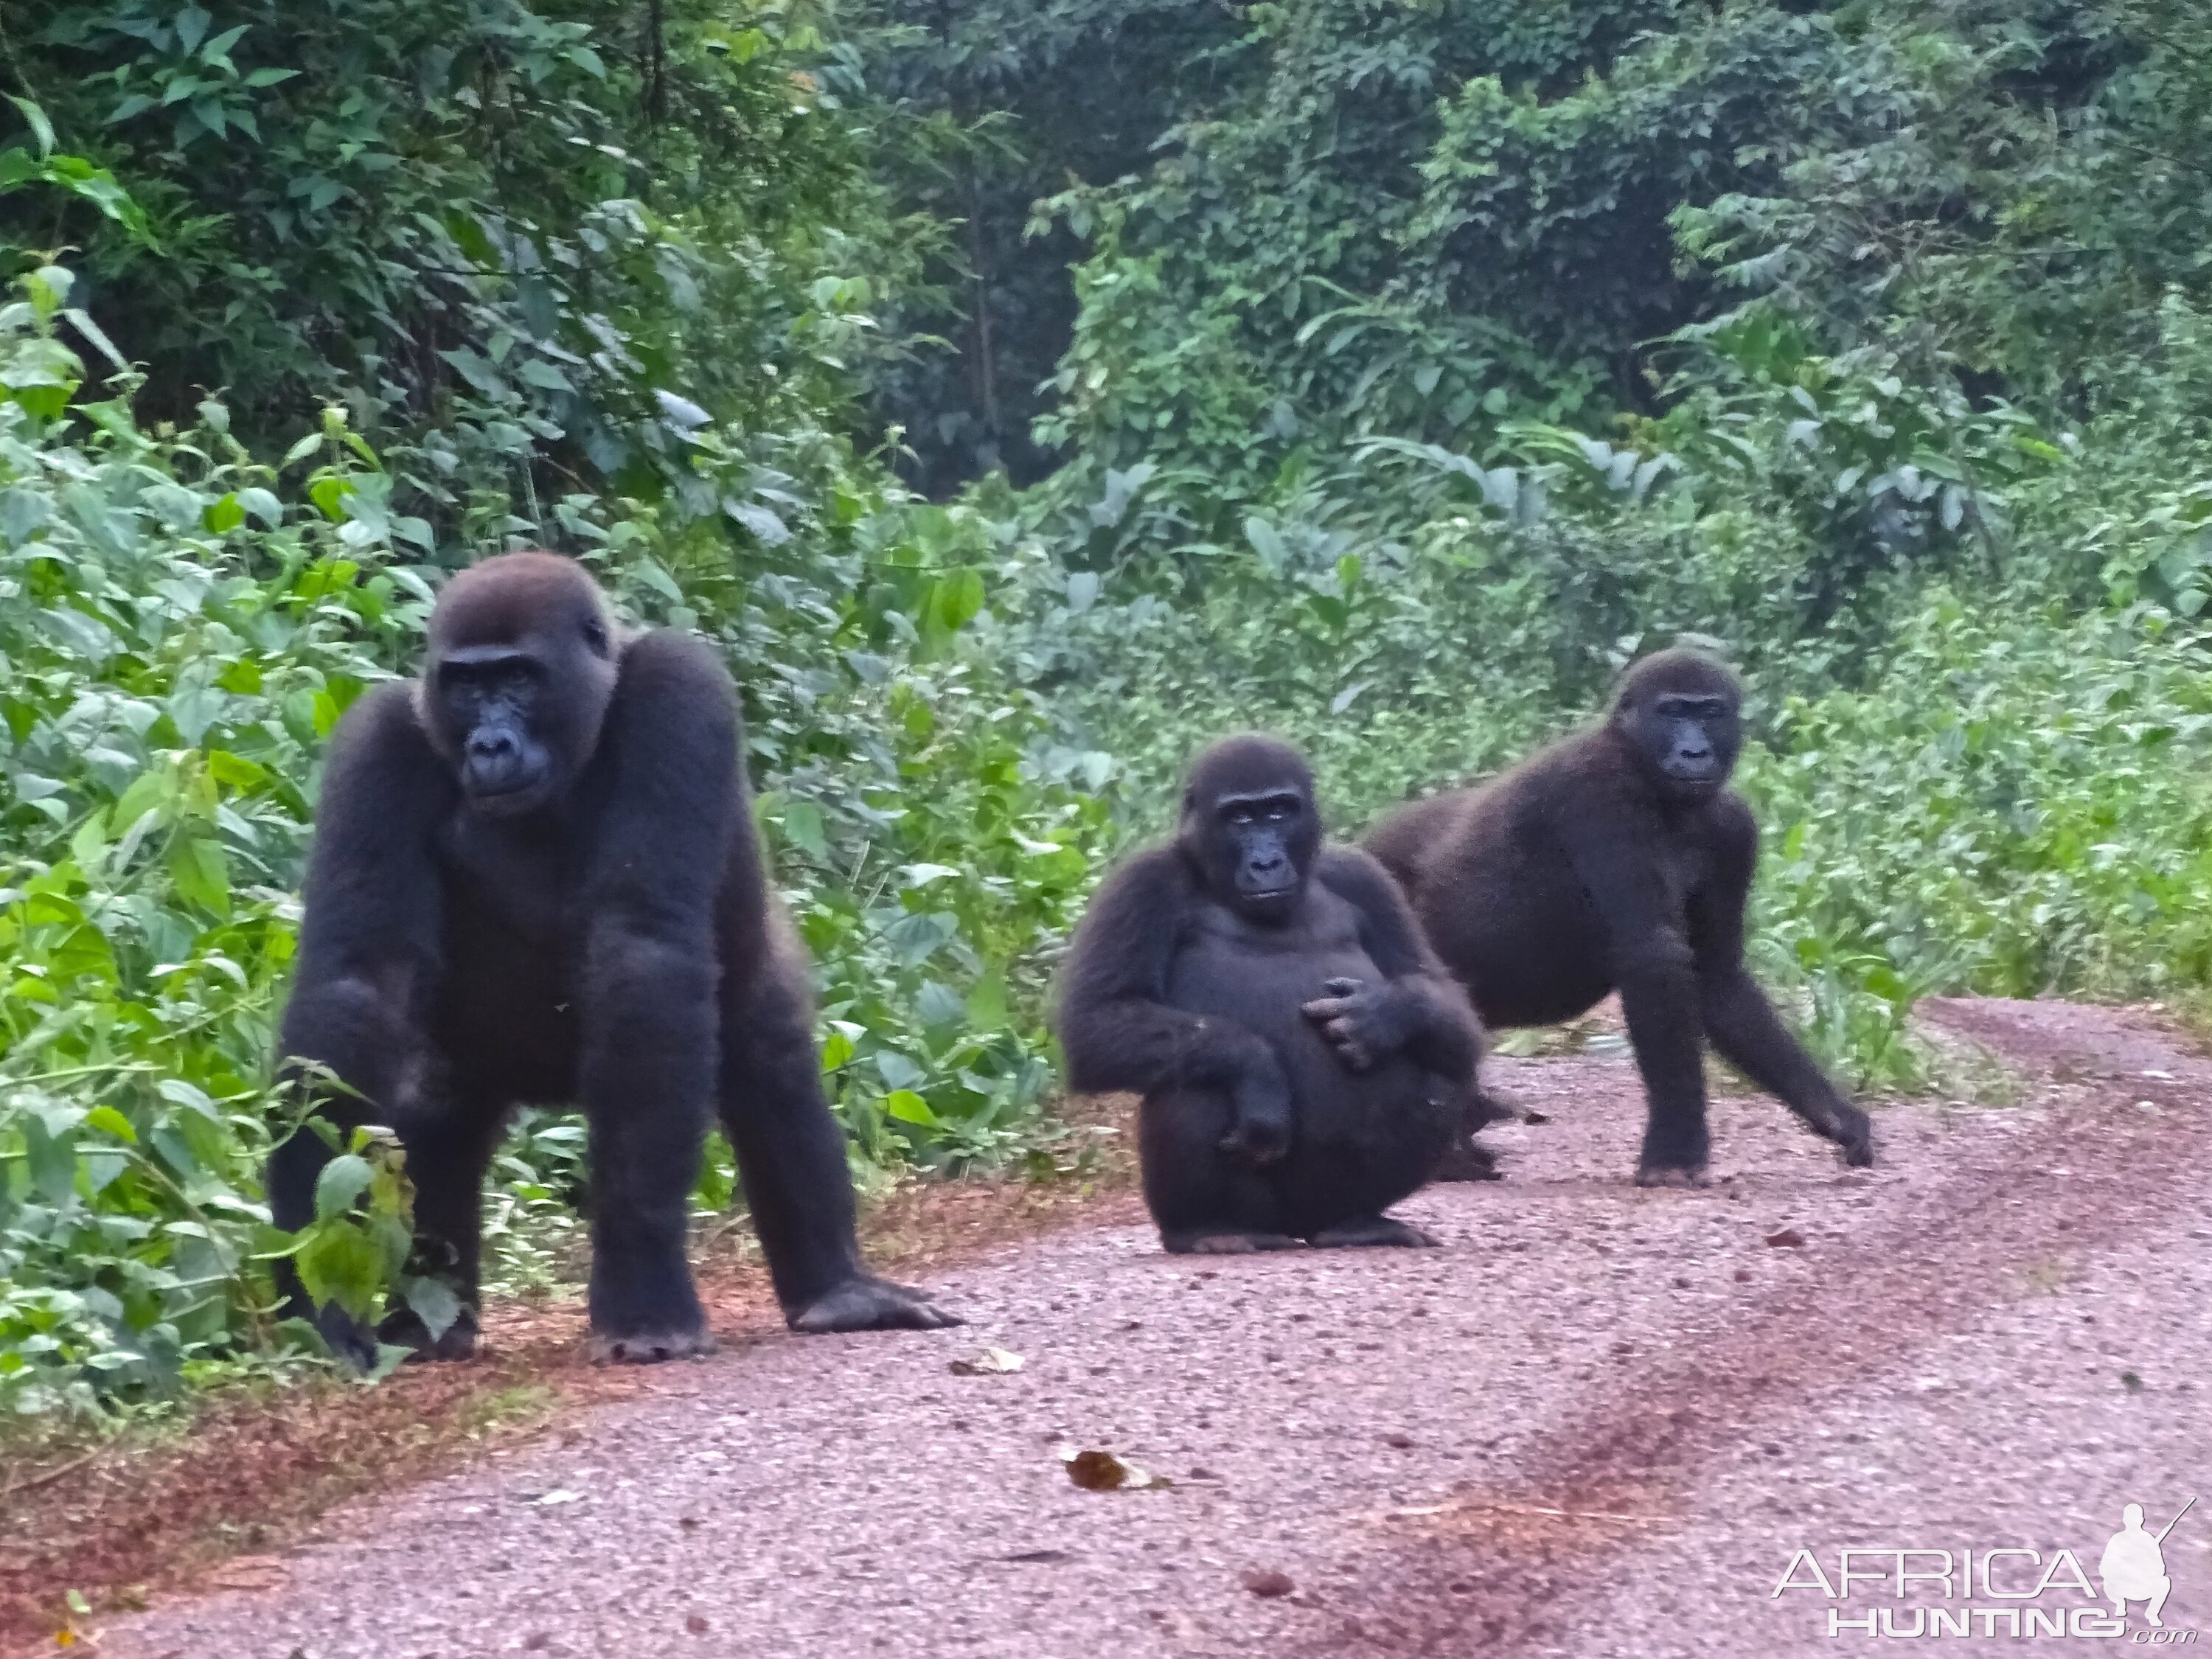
(1598, 1422)
(121, 1522)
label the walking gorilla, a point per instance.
(535, 880)
(1619, 860)
(1303, 1061)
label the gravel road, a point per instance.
(1599, 1422)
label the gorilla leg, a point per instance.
(1352, 1167)
(643, 1164)
(1742, 1025)
(1203, 1201)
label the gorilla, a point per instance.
(535, 880)
(1304, 1061)
(1619, 860)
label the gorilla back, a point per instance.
(1303, 1061)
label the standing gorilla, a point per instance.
(1303, 1061)
(535, 880)
(1619, 860)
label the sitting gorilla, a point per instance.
(535, 880)
(1619, 860)
(1303, 1061)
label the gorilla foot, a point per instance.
(1672, 1174)
(459, 1341)
(649, 1347)
(1466, 1161)
(866, 1302)
(1381, 1229)
(1198, 1243)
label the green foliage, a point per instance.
(529, 249)
(183, 625)
(176, 641)
(2018, 805)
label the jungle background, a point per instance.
(1020, 392)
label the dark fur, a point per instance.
(1591, 868)
(1280, 1102)
(606, 938)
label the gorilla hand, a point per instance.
(1363, 1023)
(1260, 1131)
(866, 1302)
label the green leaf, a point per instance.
(803, 828)
(42, 129)
(340, 1185)
(201, 872)
(960, 599)
(910, 1108)
(191, 26)
(108, 1120)
(987, 1002)
(339, 1263)
(433, 1302)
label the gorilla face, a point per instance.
(1263, 847)
(1681, 715)
(1250, 828)
(514, 691)
(1693, 740)
(491, 699)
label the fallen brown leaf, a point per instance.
(1789, 1238)
(1101, 1471)
(247, 1572)
(1269, 1583)
(992, 1362)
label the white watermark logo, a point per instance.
(2004, 1591)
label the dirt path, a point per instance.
(1997, 1340)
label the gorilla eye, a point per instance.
(595, 635)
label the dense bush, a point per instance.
(181, 625)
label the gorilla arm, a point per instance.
(1418, 1009)
(647, 1012)
(1118, 1032)
(370, 943)
(1738, 1019)
(369, 955)
(1615, 844)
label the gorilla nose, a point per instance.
(495, 763)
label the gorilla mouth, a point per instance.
(504, 793)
